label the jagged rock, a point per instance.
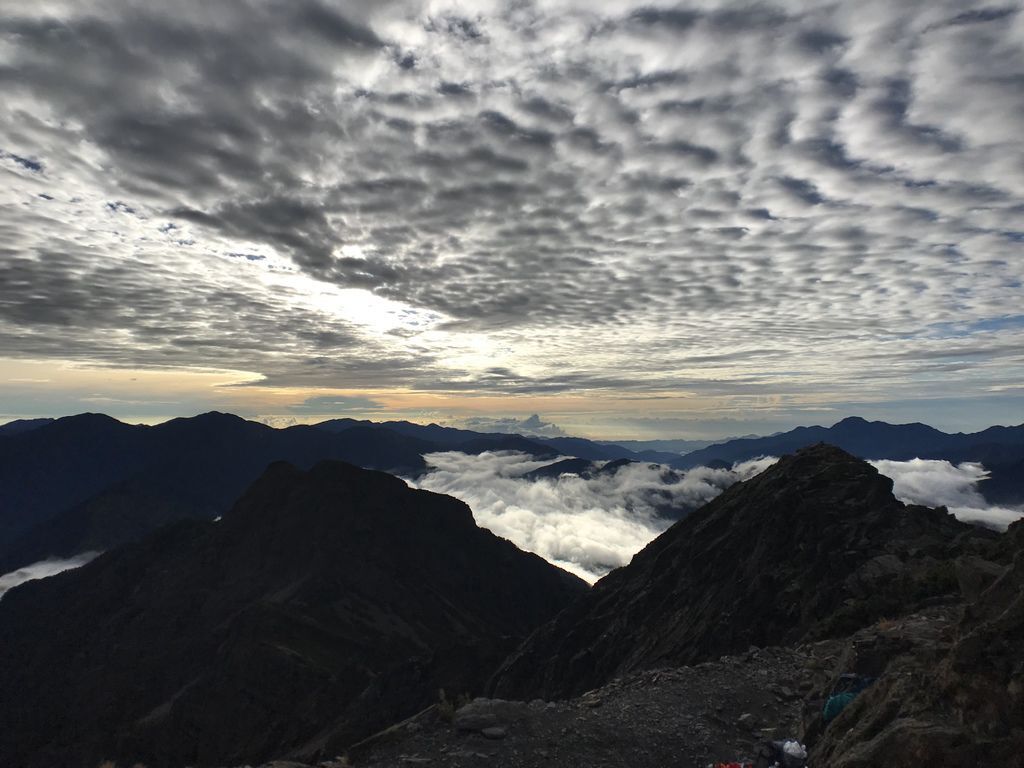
(481, 714)
(953, 698)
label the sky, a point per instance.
(637, 220)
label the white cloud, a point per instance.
(42, 569)
(590, 525)
(522, 198)
(586, 525)
(936, 483)
(532, 426)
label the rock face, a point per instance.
(956, 700)
(816, 546)
(326, 605)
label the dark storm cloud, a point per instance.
(697, 177)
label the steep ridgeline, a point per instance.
(325, 605)
(814, 546)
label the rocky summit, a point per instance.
(326, 605)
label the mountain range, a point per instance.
(813, 547)
(331, 603)
(89, 482)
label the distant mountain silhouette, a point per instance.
(581, 467)
(582, 448)
(90, 482)
(814, 546)
(18, 426)
(1000, 449)
(325, 605)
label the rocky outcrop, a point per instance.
(955, 700)
(816, 546)
(326, 605)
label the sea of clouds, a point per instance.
(936, 483)
(590, 525)
(586, 525)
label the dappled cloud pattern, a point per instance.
(782, 204)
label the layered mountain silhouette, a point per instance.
(22, 425)
(325, 605)
(814, 546)
(89, 482)
(331, 603)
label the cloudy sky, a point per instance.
(635, 219)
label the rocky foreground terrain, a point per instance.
(930, 610)
(678, 716)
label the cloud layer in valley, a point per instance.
(585, 525)
(42, 569)
(935, 483)
(590, 525)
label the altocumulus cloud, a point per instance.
(834, 188)
(585, 525)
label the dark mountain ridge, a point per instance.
(791, 582)
(325, 605)
(814, 546)
(90, 482)
(18, 426)
(862, 438)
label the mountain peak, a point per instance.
(88, 419)
(214, 417)
(326, 605)
(814, 546)
(850, 421)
